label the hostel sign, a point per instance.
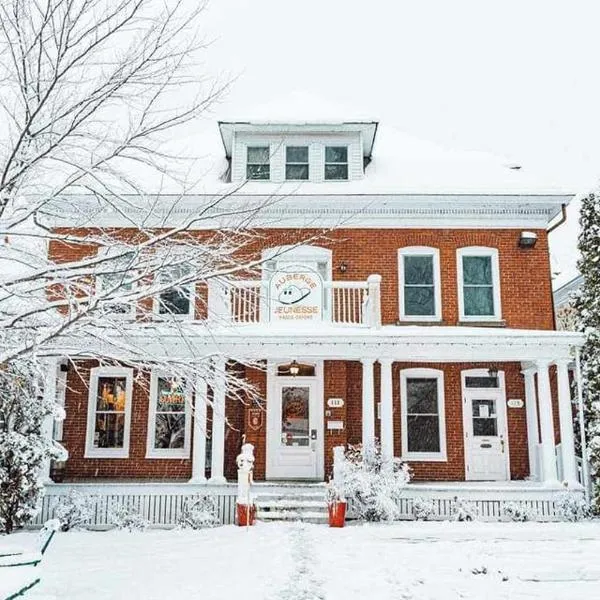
(296, 295)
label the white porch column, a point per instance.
(218, 422)
(387, 413)
(567, 435)
(550, 475)
(368, 403)
(50, 376)
(533, 430)
(199, 448)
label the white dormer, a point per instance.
(296, 152)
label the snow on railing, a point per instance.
(345, 302)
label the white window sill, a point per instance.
(424, 458)
(106, 453)
(422, 319)
(157, 454)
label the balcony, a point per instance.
(344, 303)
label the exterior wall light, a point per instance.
(493, 371)
(528, 239)
(343, 267)
(294, 368)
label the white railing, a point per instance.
(345, 302)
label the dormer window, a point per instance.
(296, 163)
(258, 163)
(336, 162)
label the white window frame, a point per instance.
(286, 163)
(151, 451)
(247, 163)
(189, 316)
(95, 374)
(437, 282)
(423, 373)
(325, 162)
(112, 253)
(479, 251)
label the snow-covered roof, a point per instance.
(400, 163)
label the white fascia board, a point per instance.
(367, 129)
(402, 343)
(306, 211)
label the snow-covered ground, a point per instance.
(307, 562)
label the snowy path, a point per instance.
(406, 561)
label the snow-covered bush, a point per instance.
(463, 510)
(75, 510)
(125, 516)
(572, 507)
(199, 512)
(373, 491)
(423, 509)
(24, 449)
(515, 511)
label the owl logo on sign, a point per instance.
(292, 294)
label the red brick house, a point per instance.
(424, 320)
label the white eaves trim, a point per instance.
(402, 343)
(293, 209)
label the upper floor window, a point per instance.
(177, 299)
(478, 284)
(258, 163)
(336, 162)
(423, 414)
(115, 279)
(168, 418)
(420, 290)
(296, 163)
(109, 412)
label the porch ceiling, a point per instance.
(400, 343)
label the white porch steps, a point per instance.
(309, 507)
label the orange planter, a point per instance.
(246, 515)
(337, 514)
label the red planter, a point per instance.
(337, 513)
(246, 515)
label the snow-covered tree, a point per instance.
(98, 102)
(587, 305)
(24, 447)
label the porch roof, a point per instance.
(410, 343)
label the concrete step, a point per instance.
(306, 516)
(291, 497)
(290, 503)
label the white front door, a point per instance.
(294, 428)
(486, 440)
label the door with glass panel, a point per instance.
(486, 441)
(294, 429)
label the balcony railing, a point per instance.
(344, 302)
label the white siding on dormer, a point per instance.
(316, 144)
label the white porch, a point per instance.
(162, 503)
(536, 351)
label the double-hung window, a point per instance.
(419, 282)
(258, 163)
(115, 280)
(423, 421)
(109, 412)
(478, 284)
(177, 299)
(296, 163)
(336, 162)
(168, 417)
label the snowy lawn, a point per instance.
(304, 562)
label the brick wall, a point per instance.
(341, 379)
(524, 274)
